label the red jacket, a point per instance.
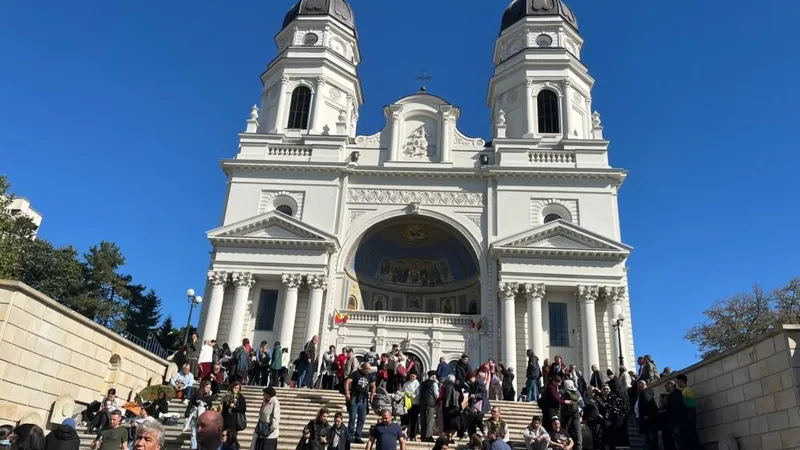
(339, 363)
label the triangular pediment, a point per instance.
(560, 238)
(272, 229)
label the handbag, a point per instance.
(263, 429)
(241, 421)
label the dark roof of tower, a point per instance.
(520, 9)
(338, 9)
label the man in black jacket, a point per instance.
(596, 381)
(63, 437)
(648, 416)
(428, 394)
(533, 373)
(462, 369)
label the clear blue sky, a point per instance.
(115, 114)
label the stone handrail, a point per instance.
(289, 150)
(551, 158)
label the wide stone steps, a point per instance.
(299, 406)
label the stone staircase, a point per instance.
(299, 406)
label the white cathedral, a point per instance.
(419, 235)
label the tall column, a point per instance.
(588, 296)
(392, 112)
(319, 99)
(317, 284)
(280, 118)
(509, 345)
(567, 107)
(588, 119)
(534, 293)
(243, 282)
(615, 295)
(349, 113)
(530, 105)
(211, 325)
(291, 283)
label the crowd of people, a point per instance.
(452, 401)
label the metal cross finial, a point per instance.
(424, 77)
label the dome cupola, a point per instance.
(520, 9)
(338, 9)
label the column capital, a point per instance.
(291, 280)
(534, 290)
(317, 282)
(243, 279)
(588, 294)
(508, 289)
(615, 293)
(321, 82)
(567, 83)
(529, 83)
(218, 277)
(284, 80)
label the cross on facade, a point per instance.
(424, 77)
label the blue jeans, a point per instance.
(188, 392)
(532, 390)
(356, 407)
(193, 442)
(305, 377)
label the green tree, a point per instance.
(107, 289)
(16, 232)
(143, 311)
(166, 334)
(733, 321)
(55, 272)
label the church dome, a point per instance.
(338, 9)
(520, 9)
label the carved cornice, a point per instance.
(243, 279)
(218, 278)
(508, 289)
(317, 282)
(398, 197)
(534, 291)
(291, 280)
(615, 294)
(588, 294)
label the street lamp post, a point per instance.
(193, 300)
(617, 324)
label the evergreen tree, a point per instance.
(166, 335)
(107, 289)
(55, 272)
(143, 311)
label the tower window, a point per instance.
(300, 108)
(286, 209)
(547, 102)
(551, 217)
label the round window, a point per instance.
(285, 209)
(551, 217)
(310, 39)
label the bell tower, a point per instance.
(312, 85)
(539, 82)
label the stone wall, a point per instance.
(749, 392)
(49, 352)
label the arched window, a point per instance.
(551, 217)
(547, 103)
(300, 108)
(286, 209)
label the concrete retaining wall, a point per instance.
(749, 392)
(48, 351)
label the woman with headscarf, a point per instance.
(451, 407)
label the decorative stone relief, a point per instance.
(267, 201)
(417, 144)
(397, 197)
(355, 214)
(372, 139)
(291, 280)
(243, 279)
(577, 96)
(474, 218)
(588, 294)
(334, 94)
(512, 96)
(537, 204)
(460, 139)
(511, 46)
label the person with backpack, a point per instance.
(428, 394)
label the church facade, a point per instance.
(418, 234)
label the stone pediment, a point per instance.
(272, 229)
(560, 240)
